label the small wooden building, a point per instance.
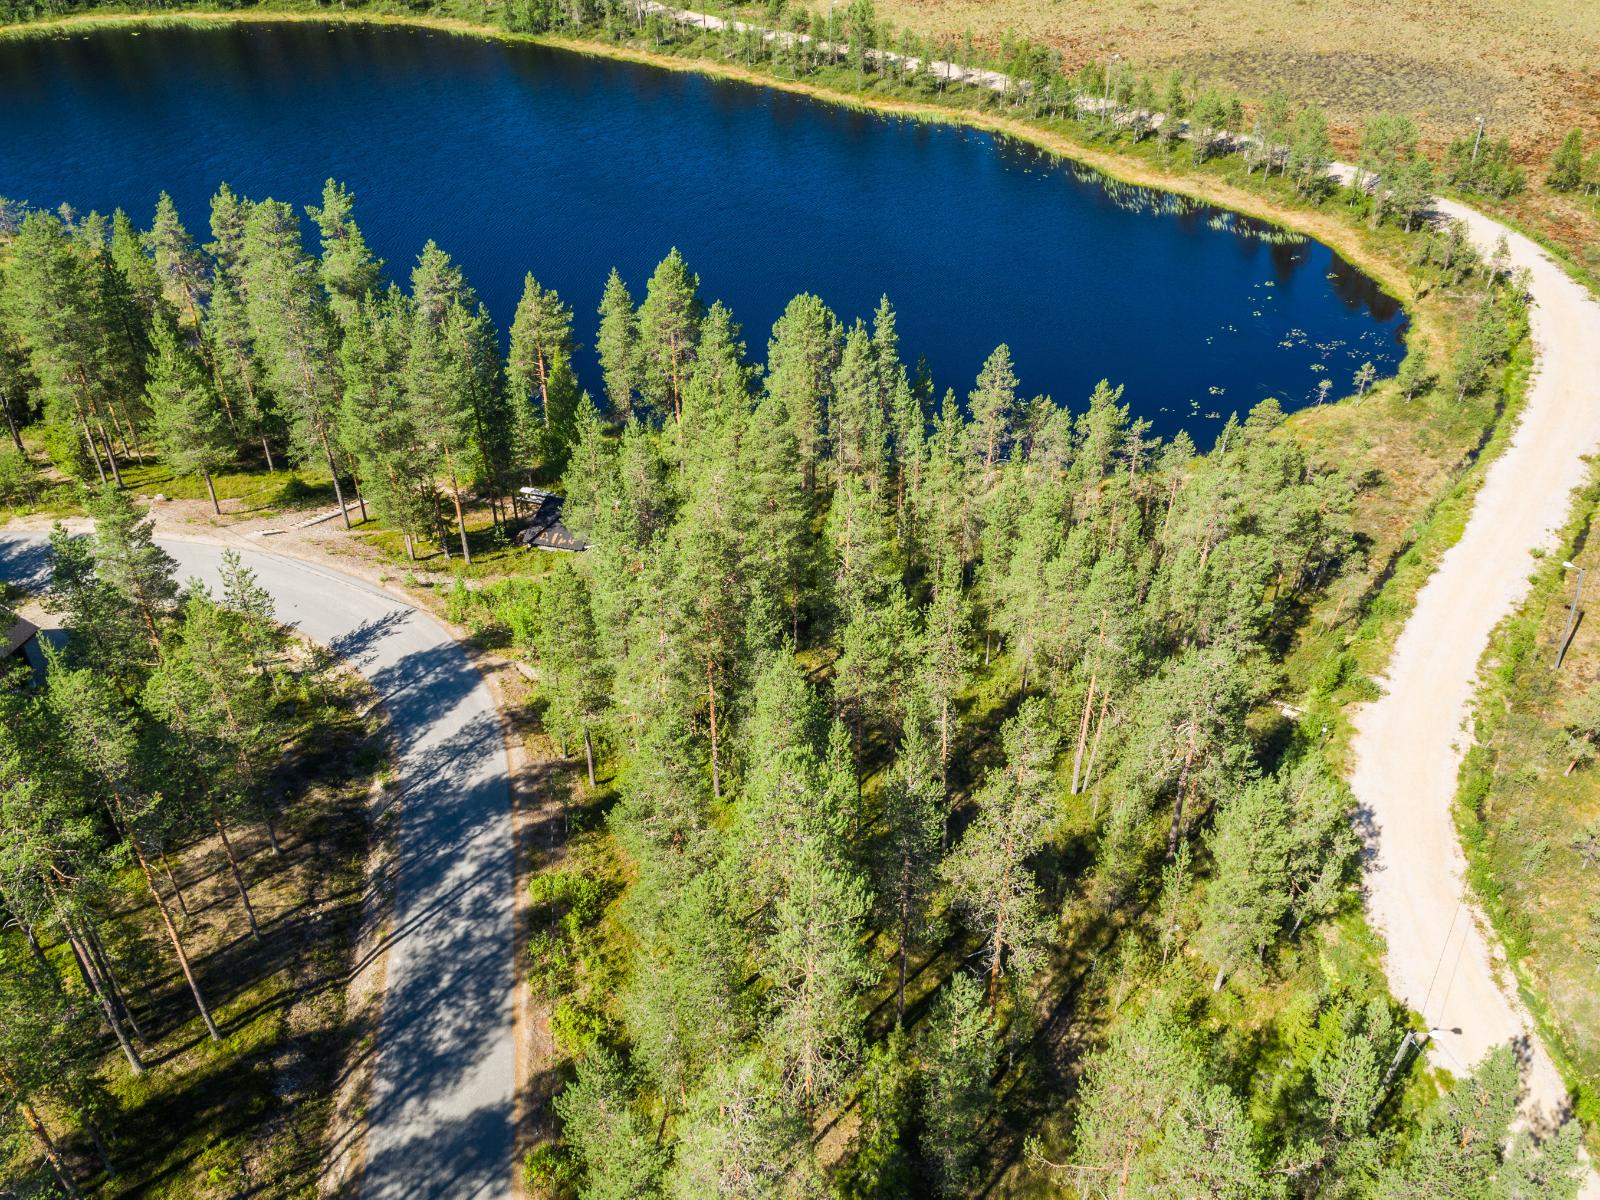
(22, 646)
(544, 530)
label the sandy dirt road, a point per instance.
(439, 1117)
(1409, 744)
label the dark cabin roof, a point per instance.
(544, 529)
(18, 636)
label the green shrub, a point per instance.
(549, 1173)
(19, 482)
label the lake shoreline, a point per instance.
(1327, 228)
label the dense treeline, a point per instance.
(157, 725)
(918, 707)
(902, 689)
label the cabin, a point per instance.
(21, 645)
(544, 530)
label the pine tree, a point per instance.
(669, 334)
(440, 409)
(814, 961)
(128, 562)
(1465, 1146)
(574, 677)
(945, 655)
(347, 268)
(377, 423)
(187, 422)
(987, 870)
(913, 802)
(858, 418)
(1249, 891)
(51, 303)
(295, 333)
(185, 281)
(959, 1052)
(620, 1158)
(617, 345)
(1151, 1123)
(801, 358)
(103, 743)
(742, 1140)
(686, 1001)
(776, 511)
(237, 369)
(993, 403)
(44, 1072)
(139, 277)
(541, 344)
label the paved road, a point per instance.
(440, 1115)
(1410, 742)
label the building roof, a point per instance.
(544, 529)
(18, 636)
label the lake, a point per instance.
(516, 158)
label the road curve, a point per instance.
(1409, 743)
(439, 1120)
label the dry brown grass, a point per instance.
(1531, 66)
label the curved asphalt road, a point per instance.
(439, 1121)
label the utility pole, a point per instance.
(1477, 140)
(1412, 1041)
(1572, 615)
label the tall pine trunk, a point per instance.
(111, 454)
(238, 876)
(338, 492)
(1177, 803)
(716, 765)
(108, 1010)
(172, 878)
(166, 921)
(1083, 733)
(30, 1117)
(11, 421)
(102, 964)
(210, 488)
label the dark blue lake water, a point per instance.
(518, 158)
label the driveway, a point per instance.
(439, 1121)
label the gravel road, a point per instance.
(439, 1121)
(1409, 744)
